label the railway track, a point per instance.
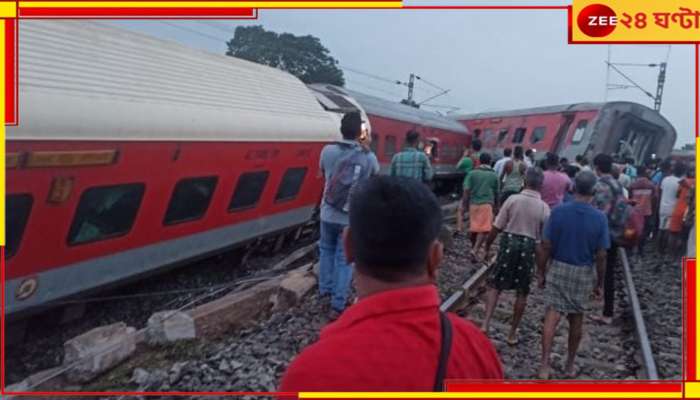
(253, 359)
(606, 352)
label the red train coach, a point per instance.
(389, 121)
(617, 127)
(134, 153)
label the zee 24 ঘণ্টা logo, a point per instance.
(600, 20)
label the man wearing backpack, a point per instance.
(343, 165)
(609, 199)
(395, 338)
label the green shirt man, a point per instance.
(482, 184)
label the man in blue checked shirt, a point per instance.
(411, 162)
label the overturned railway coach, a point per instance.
(619, 127)
(134, 153)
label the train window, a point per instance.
(502, 134)
(374, 143)
(105, 212)
(580, 129)
(519, 135)
(248, 190)
(190, 200)
(477, 133)
(291, 184)
(538, 134)
(390, 146)
(18, 209)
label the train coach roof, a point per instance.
(90, 81)
(529, 111)
(394, 110)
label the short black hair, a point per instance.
(666, 165)
(604, 163)
(579, 158)
(412, 137)
(393, 221)
(679, 168)
(571, 171)
(642, 170)
(476, 144)
(351, 125)
(528, 152)
(629, 160)
(551, 161)
(485, 158)
(507, 152)
(563, 161)
(518, 152)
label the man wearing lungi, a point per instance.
(480, 192)
(575, 237)
(521, 219)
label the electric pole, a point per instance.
(411, 83)
(660, 86)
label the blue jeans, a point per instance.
(335, 273)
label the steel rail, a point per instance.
(641, 330)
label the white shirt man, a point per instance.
(500, 164)
(669, 197)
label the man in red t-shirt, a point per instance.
(392, 338)
(645, 195)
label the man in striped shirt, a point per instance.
(411, 162)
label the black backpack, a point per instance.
(352, 166)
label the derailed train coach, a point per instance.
(133, 154)
(389, 121)
(621, 128)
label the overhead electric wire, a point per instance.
(196, 32)
(430, 83)
(630, 80)
(216, 26)
(373, 76)
(355, 83)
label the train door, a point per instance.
(559, 140)
(431, 148)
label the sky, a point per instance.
(488, 59)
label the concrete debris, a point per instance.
(140, 376)
(170, 326)
(98, 350)
(293, 288)
(235, 310)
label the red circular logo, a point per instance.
(597, 20)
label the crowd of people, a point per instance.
(564, 223)
(557, 222)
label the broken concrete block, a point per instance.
(169, 326)
(235, 310)
(292, 289)
(140, 376)
(98, 350)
